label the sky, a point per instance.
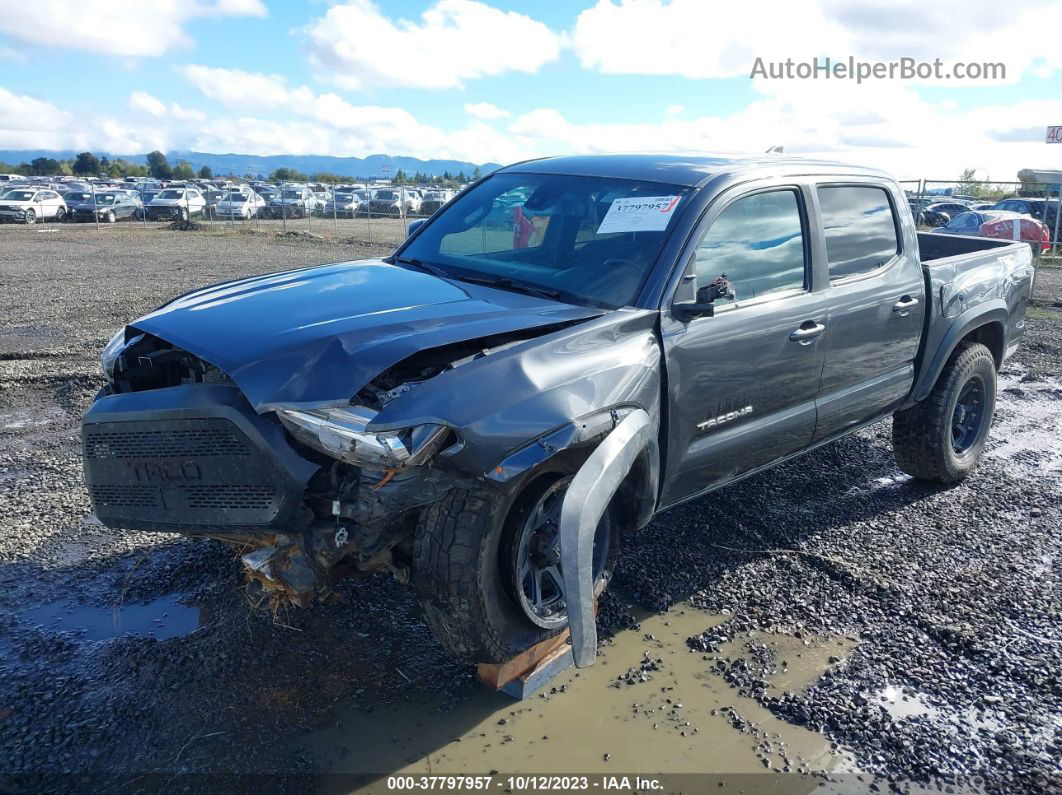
(499, 81)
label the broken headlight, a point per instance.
(113, 349)
(341, 433)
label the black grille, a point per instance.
(191, 438)
(192, 472)
(229, 497)
(125, 495)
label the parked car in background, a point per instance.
(176, 203)
(343, 203)
(212, 196)
(434, 199)
(392, 201)
(1040, 209)
(115, 206)
(81, 205)
(1001, 225)
(293, 202)
(241, 205)
(28, 205)
(950, 209)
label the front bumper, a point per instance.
(157, 213)
(194, 460)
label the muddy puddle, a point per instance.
(677, 718)
(163, 618)
(1025, 427)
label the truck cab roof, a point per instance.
(686, 170)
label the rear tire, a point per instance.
(464, 575)
(942, 437)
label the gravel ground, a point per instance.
(949, 598)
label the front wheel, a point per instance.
(30, 217)
(942, 437)
(60, 214)
(487, 571)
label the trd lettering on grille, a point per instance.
(162, 471)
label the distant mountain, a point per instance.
(372, 166)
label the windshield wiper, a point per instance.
(424, 266)
(506, 283)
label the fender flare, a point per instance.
(972, 319)
(585, 502)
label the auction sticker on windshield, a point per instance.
(639, 214)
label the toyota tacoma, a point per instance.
(567, 348)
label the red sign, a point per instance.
(1054, 135)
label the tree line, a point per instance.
(87, 164)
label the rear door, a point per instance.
(876, 302)
(742, 383)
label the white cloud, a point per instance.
(673, 110)
(696, 39)
(142, 102)
(115, 27)
(354, 45)
(236, 88)
(22, 112)
(145, 103)
(486, 110)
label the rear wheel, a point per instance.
(942, 437)
(488, 574)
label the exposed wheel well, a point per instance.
(991, 336)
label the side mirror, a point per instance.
(688, 310)
(414, 226)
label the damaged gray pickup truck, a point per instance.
(568, 347)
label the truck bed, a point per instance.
(968, 277)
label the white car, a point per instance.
(27, 205)
(241, 205)
(177, 203)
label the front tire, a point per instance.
(942, 437)
(30, 217)
(466, 565)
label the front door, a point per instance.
(742, 383)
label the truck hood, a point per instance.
(316, 336)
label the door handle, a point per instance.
(807, 333)
(904, 306)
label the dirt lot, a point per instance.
(830, 619)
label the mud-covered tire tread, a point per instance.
(920, 434)
(447, 555)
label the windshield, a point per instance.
(105, 198)
(363, 194)
(169, 194)
(386, 194)
(590, 239)
(78, 197)
(293, 194)
(19, 195)
(344, 197)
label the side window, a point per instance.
(860, 229)
(757, 245)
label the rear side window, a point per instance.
(757, 244)
(860, 229)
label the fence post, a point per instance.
(95, 211)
